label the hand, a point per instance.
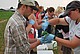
(45, 17)
(31, 21)
(45, 25)
(49, 38)
(44, 20)
(42, 39)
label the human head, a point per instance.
(41, 8)
(50, 11)
(72, 6)
(26, 7)
(59, 10)
(36, 4)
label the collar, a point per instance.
(21, 16)
(77, 21)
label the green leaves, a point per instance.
(45, 33)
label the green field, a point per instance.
(4, 16)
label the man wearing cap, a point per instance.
(73, 20)
(15, 35)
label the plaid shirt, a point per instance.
(16, 38)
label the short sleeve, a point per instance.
(67, 19)
(78, 31)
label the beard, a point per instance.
(26, 18)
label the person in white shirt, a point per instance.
(73, 11)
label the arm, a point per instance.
(31, 22)
(21, 40)
(28, 27)
(36, 25)
(57, 21)
(32, 40)
(35, 44)
(72, 44)
(54, 21)
(39, 19)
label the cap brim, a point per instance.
(34, 8)
(66, 12)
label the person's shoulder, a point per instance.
(67, 17)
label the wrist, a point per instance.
(31, 21)
(45, 17)
(55, 38)
(39, 40)
(30, 25)
(48, 22)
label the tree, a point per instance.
(18, 0)
(11, 8)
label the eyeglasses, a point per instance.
(29, 6)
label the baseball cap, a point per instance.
(72, 5)
(30, 3)
(34, 7)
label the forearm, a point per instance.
(21, 42)
(54, 21)
(35, 44)
(36, 25)
(32, 40)
(58, 21)
(28, 27)
(66, 43)
(39, 26)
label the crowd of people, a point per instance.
(24, 29)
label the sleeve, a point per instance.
(78, 31)
(67, 19)
(20, 38)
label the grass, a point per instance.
(4, 15)
(2, 26)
